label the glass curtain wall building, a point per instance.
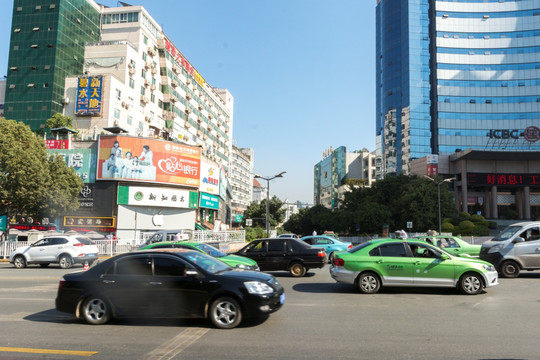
(47, 45)
(454, 75)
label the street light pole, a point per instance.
(439, 194)
(268, 197)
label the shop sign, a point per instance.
(146, 160)
(83, 161)
(177, 55)
(57, 144)
(209, 201)
(530, 134)
(209, 179)
(238, 218)
(88, 223)
(89, 93)
(32, 227)
(159, 197)
(507, 179)
(3, 222)
(86, 198)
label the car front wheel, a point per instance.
(65, 261)
(19, 262)
(95, 311)
(470, 284)
(297, 270)
(509, 269)
(368, 283)
(225, 313)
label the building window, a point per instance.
(118, 95)
(117, 114)
(153, 98)
(143, 90)
(145, 41)
(144, 56)
(143, 73)
(129, 120)
(131, 83)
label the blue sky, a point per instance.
(302, 73)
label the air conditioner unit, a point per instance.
(188, 81)
(152, 87)
(115, 123)
(65, 101)
(123, 104)
(147, 118)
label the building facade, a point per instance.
(47, 45)
(456, 75)
(340, 171)
(241, 179)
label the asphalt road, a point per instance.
(320, 320)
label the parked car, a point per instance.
(392, 262)
(287, 254)
(168, 283)
(294, 236)
(231, 260)
(64, 250)
(516, 248)
(328, 243)
(453, 245)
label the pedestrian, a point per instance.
(403, 235)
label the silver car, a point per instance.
(64, 250)
(516, 248)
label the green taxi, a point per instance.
(237, 261)
(453, 245)
(395, 262)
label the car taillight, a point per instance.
(321, 253)
(350, 246)
(61, 283)
(78, 244)
(338, 262)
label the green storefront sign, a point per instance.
(209, 201)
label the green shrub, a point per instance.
(254, 233)
(480, 230)
(447, 227)
(492, 225)
(477, 218)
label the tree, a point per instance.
(257, 212)
(30, 182)
(58, 120)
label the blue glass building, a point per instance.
(455, 75)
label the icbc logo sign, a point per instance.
(532, 134)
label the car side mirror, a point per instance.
(519, 239)
(443, 257)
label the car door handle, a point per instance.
(416, 263)
(156, 283)
(380, 261)
(109, 281)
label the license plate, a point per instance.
(282, 298)
(91, 254)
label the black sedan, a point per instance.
(168, 283)
(288, 254)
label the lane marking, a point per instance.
(170, 348)
(47, 351)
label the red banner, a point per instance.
(57, 144)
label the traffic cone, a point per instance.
(86, 267)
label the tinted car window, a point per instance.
(85, 241)
(278, 246)
(394, 250)
(166, 266)
(134, 266)
(258, 247)
(359, 247)
(296, 246)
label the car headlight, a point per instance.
(489, 267)
(258, 288)
(495, 249)
(242, 266)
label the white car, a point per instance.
(64, 250)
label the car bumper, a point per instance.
(491, 278)
(85, 258)
(342, 275)
(495, 259)
(257, 305)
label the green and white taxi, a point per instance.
(394, 262)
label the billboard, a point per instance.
(209, 178)
(157, 196)
(209, 201)
(89, 96)
(82, 160)
(140, 159)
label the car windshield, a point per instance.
(358, 247)
(210, 250)
(207, 262)
(507, 233)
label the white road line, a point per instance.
(176, 345)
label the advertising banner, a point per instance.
(90, 223)
(209, 178)
(89, 93)
(140, 159)
(82, 160)
(209, 201)
(3, 223)
(162, 197)
(57, 144)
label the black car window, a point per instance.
(167, 266)
(59, 241)
(308, 241)
(393, 250)
(163, 246)
(276, 245)
(531, 234)
(140, 265)
(258, 247)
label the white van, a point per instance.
(516, 248)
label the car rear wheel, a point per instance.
(470, 284)
(65, 261)
(95, 311)
(44, 265)
(297, 270)
(331, 258)
(368, 283)
(19, 262)
(225, 313)
(510, 269)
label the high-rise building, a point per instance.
(47, 45)
(455, 75)
(241, 179)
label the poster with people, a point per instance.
(135, 158)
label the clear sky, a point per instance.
(302, 74)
